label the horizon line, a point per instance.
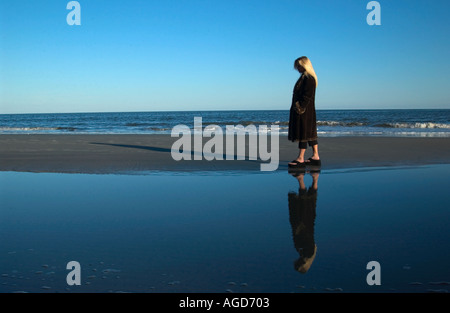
(223, 110)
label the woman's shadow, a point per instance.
(302, 215)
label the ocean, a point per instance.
(330, 123)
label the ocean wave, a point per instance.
(71, 129)
(416, 125)
(243, 122)
(332, 123)
(342, 124)
(142, 124)
(136, 124)
(423, 125)
(384, 133)
(159, 129)
(25, 129)
(246, 123)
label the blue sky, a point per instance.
(170, 55)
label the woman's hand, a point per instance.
(299, 109)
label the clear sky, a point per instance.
(166, 55)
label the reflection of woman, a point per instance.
(302, 116)
(302, 214)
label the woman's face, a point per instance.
(300, 68)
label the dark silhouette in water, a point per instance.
(302, 215)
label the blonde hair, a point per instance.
(307, 65)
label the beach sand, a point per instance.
(100, 154)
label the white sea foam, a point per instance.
(14, 129)
(337, 123)
(420, 125)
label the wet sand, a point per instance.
(101, 154)
(240, 233)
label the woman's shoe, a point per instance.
(297, 164)
(313, 162)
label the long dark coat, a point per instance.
(303, 127)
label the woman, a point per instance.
(302, 117)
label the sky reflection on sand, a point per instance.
(239, 232)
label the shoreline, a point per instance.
(121, 153)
